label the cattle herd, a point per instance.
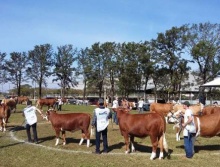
(152, 124)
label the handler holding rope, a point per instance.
(100, 122)
(31, 121)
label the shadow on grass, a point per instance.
(15, 128)
(203, 147)
(141, 148)
(9, 145)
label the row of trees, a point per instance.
(123, 67)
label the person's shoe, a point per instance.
(95, 152)
(29, 141)
(105, 152)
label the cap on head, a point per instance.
(101, 101)
(186, 103)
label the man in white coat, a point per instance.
(100, 121)
(31, 120)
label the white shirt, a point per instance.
(140, 103)
(30, 115)
(188, 113)
(102, 118)
(60, 101)
(115, 104)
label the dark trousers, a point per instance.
(34, 129)
(115, 118)
(104, 139)
(59, 107)
(188, 145)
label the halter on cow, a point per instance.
(142, 125)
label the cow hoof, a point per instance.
(126, 152)
(153, 156)
(64, 143)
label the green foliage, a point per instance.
(15, 67)
(40, 64)
(205, 51)
(64, 70)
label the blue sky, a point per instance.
(26, 23)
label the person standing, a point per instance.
(115, 105)
(100, 121)
(140, 105)
(31, 120)
(60, 103)
(188, 133)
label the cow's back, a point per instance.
(209, 125)
(70, 121)
(161, 108)
(46, 101)
(196, 109)
(142, 125)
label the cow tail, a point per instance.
(92, 132)
(165, 145)
(164, 141)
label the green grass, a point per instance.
(14, 152)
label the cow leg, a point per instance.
(132, 143)
(1, 125)
(4, 124)
(87, 136)
(154, 142)
(178, 131)
(64, 137)
(127, 143)
(57, 136)
(82, 139)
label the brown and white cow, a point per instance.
(161, 108)
(210, 110)
(173, 115)
(46, 102)
(142, 125)
(21, 99)
(11, 103)
(70, 122)
(5, 113)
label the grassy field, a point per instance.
(15, 152)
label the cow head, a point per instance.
(48, 113)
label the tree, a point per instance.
(64, 70)
(84, 67)
(170, 47)
(204, 46)
(16, 68)
(40, 64)
(129, 74)
(3, 73)
(146, 62)
(98, 72)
